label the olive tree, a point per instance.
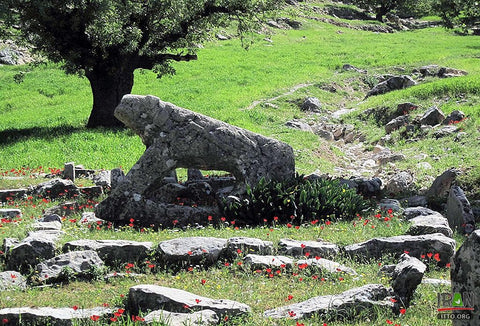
(106, 40)
(459, 13)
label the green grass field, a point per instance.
(42, 124)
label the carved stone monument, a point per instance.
(179, 138)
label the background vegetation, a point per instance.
(42, 124)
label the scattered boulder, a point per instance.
(432, 117)
(146, 297)
(465, 277)
(103, 179)
(297, 248)
(47, 226)
(415, 246)
(454, 117)
(404, 109)
(387, 156)
(337, 306)
(400, 183)
(387, 204)
(459, 212)
(349, 67)
(391, 84)
(11, 280)
(113, 252)
(51, 218)
(267, 261)
(441, 186)
(311, 104)
(72, 264)
(182, 252)
(10, 213)
(397, 123)
(412, 212)
(177, 137)
(57, 188)
(36, 247)
(297, 124)
(242, 245)
(51, 316)
(445, 131)
(408, 274)
(438, 71)
(10, 194)
(366, 187)
(198, 318)
(429, 224)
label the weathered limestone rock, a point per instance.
(199, 318)
(69, 171)
(10, 213)
(30, 251)
(428, 224)
(56, 188)
(50, 316)
(441, 185)
(43, 226)
(438, 71)
(337, 306)
(152, 297)
(406, 277)
(245, 246)
(399, 183)
(459, 212)
(366, 187)
(267, 261)
(103, 178)
(312, 104)
(445, 131)
(415, 246)
(412, 212)
(297, 248)
(177, 137)
(391, 84)
(387, 204)
(454, 117)
(113, 252)
(79, 263)
(51, 218)
(182, 252)
(12, 280)
(432, 117)
(397, 123)
(9, 194)
(465, 276)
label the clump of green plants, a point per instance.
(296, 200)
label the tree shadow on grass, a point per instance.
(14, 135)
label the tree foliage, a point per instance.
(404, 8)
(464, 14)
(106, 40)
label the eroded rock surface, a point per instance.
(176, 138)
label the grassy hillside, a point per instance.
(42, 124)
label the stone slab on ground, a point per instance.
(415, 246)
(9, 194)
(408, 274)
(198, 318)
(147, 297)
(337, 306)
(328, 265)
(10, 213)
(267, 261)
(50, 316)
(114, 252)
(10, 280)
(243, 245)
(298, 248)
(79, 263)
(428, 224)
(188, 251)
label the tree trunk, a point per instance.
(108, 87)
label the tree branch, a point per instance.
(148, 62)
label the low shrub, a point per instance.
(296, 200)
